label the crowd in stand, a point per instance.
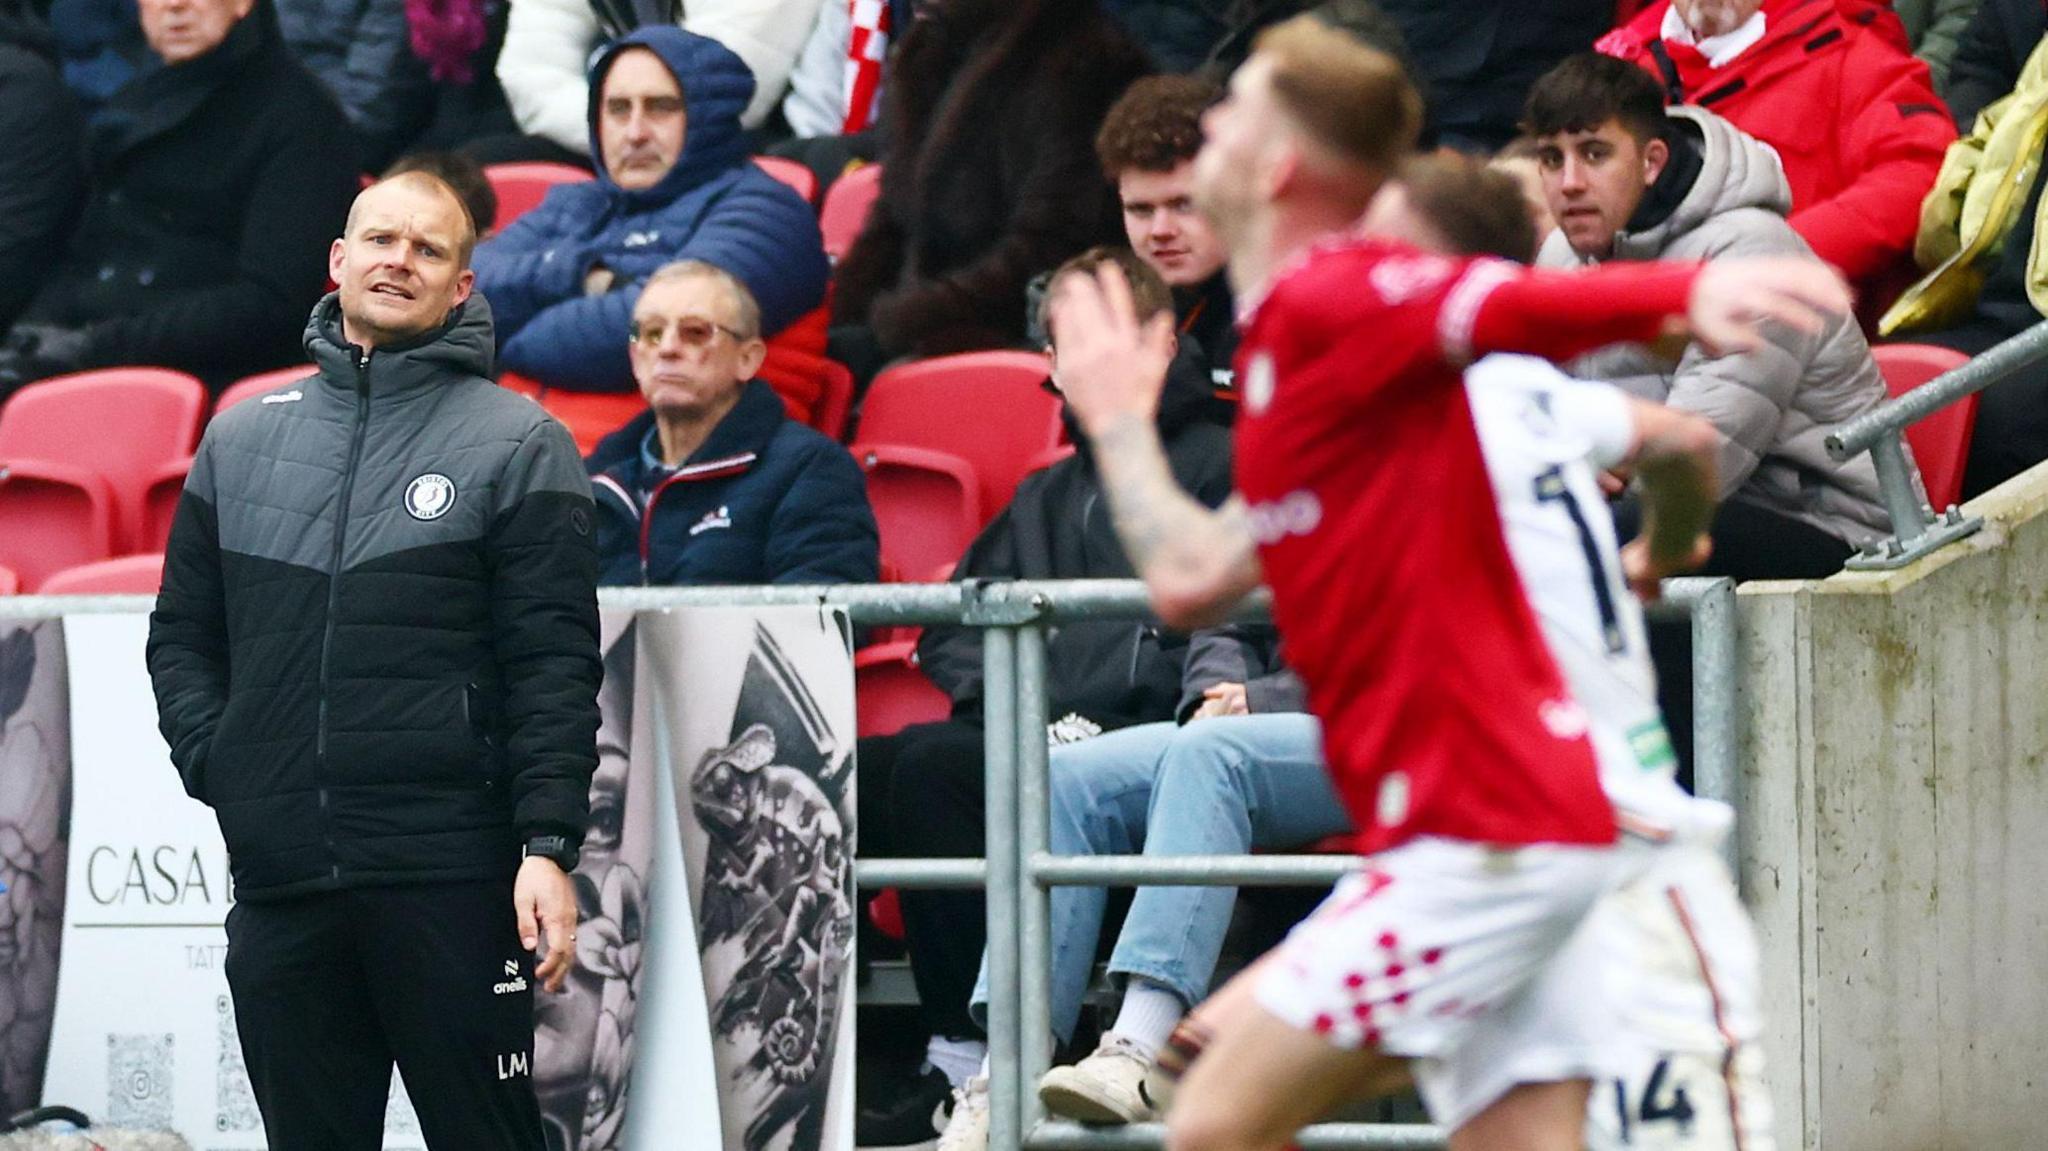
(176, 172)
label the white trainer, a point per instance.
(967, 1129)
(1106, 1087)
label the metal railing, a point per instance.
(1916, 528)
(1019, 872)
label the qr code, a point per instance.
(234, 1101)
(139, 1069)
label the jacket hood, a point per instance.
(716, 85)
(463, 346)
(1728, 169)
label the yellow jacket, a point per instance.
(1978, 196)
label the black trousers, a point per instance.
(331, 989)
(923, 793)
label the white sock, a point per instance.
(1148, 1014)
(960, 1059)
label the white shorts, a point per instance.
(1471, 960)
(1684, 966)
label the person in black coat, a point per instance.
(40, 129)
(988, 175)
(922, 789)
(218, 182)
(1992, 49)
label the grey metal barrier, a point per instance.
(1916, 528)
(1019, 872)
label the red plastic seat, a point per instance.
(591, 416)
(927, 504)
(52, 516)
(127, 575)
(798, 176)
(890, 693)
(521, 187)
(846, 207)
(1940, 442)
(258, 384)
(124, 425)
(986, 407)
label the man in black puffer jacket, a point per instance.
(375, 657)
(922, 789)
(217, 181)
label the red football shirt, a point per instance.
(1443, 712)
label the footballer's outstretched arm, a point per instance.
(1196, 563)
(1674, 459)
(1724, 304)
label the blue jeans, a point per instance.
(1218, 786)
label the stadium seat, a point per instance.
(799, 177)
(52, 516)
(591, 416)
(127, 426)
(927, 504)
(127, 575)
(890, 693)
(258, 384)
(1940, 442)
(521, 187)
(10, 583)
(988, 408)
(846, 207)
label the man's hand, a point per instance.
(598, 280)
(544, 900)
(1733, 299)
(1109, 363)
(1645, 572)
(1222, 699)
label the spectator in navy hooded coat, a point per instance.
(673, 182)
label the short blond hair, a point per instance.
(1353, 100)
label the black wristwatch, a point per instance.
(553, 847)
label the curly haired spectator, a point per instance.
(1147, 147)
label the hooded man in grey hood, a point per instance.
(1628, 179)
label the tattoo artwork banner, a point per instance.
(755, 718)
(583, 1037)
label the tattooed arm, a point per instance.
(1196, 563)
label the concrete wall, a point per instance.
(1895, 851)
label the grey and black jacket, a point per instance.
(375, 652)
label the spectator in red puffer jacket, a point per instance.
(1853, 118)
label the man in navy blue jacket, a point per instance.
(714, 483)
(673, 182)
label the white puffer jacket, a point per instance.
(1775, 406)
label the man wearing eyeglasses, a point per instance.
(714, 483)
